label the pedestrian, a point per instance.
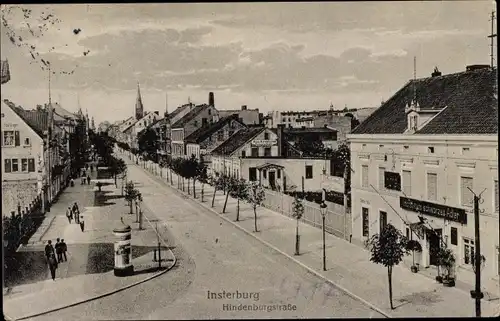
(68, 214)
(82, 180)
(52, 266)
(76, 213)
(72, 182)
(82, 223)
(49, 249)
(88, 179)
(58, 251)
(64, 250)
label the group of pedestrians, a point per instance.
(60, 249)
(73, 212)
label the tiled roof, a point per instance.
(204, 132)
(63, 112)
(178, 110)
(237, 140)
(38, 119)
(471, 107)
(189, 116)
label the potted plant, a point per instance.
(414, 246)
(447, 262)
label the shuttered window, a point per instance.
(454, 236)
(467, 198)
(431, 186)
(364, 175)
(7, 166)
(381, 181)
(407, 183)
(17, 138)
(495, 189)
(366, 222)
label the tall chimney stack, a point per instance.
(211, 101)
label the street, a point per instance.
(214, 256)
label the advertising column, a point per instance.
(123, 251)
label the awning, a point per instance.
(269, 165)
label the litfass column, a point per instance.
(123, 251)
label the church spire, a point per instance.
(139, 109)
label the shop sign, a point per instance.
(437, 210)
(263, 143)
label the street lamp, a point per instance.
(322, 208)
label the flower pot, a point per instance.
(439, 279)
(414, 269)
(449, 282)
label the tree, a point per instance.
(388, 249)
(116, 167)
(130, 194)
(191, 170)
(228, 185)
(341, 159)
(297, 212)
(218, 184)
(239, 190)
(310, 145)
(202, 177)
(256, 196)
(147, 140)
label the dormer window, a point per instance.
(412, 122)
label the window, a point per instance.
(220, 135)
(392, 181)
(10, 138)
(468, 251)
(24, 165)
(243, 153)
(383, 220)
(364, 175)
(204, 121)
(278, 173)
(267, 151)
(209, 111)
(26, 141)
(252, 174)
(195, 123)
(365, 222)
(15, 165)
(255, 151)
(465, 150)
(407, 183)
(454, 236)
(408, 233)
(266, 136)
(467, 198)
(431, 186)
(31, 165)
(309, 171)
(7, 166)
(264, 173)
(495, 190)
(430, 150)
(230, 133)
(406, 147)
(381, 178)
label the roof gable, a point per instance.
(237, 140)
(471, 107)
(37, 120)
(204, 132)
(190, 116)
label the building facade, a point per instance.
(415, 161)
(245, 115)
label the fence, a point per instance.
(337, 221)
(18, 227)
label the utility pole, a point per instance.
(478, 258)
(492, 36)
(159, 245)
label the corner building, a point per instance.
(418, 154)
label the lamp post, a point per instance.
(323, 214)
(139, 198)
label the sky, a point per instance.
(270, 56)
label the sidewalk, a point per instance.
(88, 273)
(414, 295)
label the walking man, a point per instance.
(82, 223)
(59, 250)
(69, 214)
(52, 266)
(49, 249)
(64, 248)
(88, 179)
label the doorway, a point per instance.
(272, 180)
(434, 241)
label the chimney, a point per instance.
(211, 100)
(436, 72)
(244, 107)
(280, 140)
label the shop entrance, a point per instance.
(434, 241)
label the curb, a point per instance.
(354, 296)
(110, 292)
(47, 228)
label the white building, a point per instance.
(418, 154)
